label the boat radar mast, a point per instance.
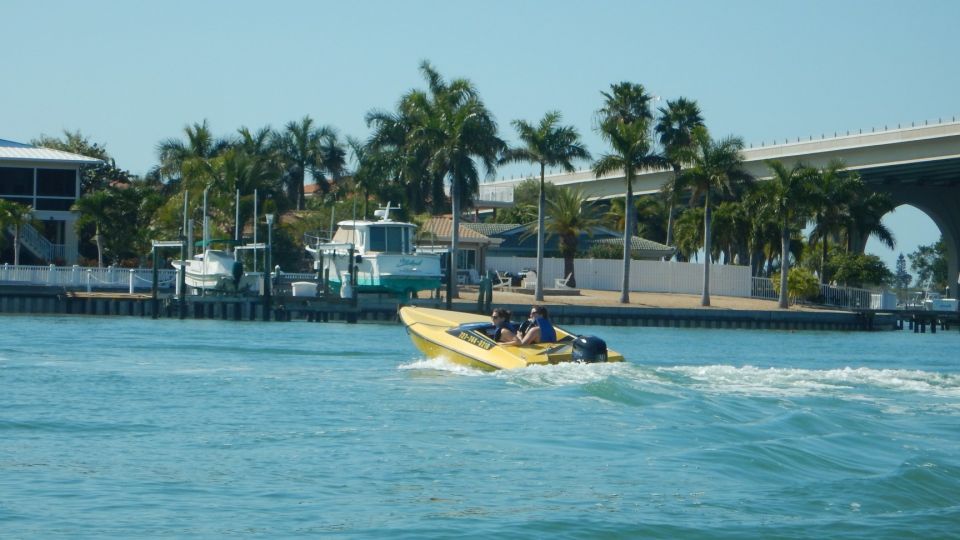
(384, 213)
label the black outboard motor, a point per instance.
(589, 349)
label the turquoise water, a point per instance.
(130, 428)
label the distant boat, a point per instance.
(385, 259)
(216, 269)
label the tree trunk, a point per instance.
(707, 216)
(823, 261)
(303, 178)
(627, 236)
(541, 203)
(784, 263)
(16, 244)
(99, 247)
(568, 271)
(454, 237)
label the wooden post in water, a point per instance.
(155, 285)
(182, 276)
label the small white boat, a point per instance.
(215, 269)
(385, 258)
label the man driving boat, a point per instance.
(536, 329)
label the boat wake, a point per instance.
(441, 364)
(759, 381)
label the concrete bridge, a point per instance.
(916, 165)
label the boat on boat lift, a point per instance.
(385, 258)
(217, 269)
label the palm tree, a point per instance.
(547, 144)
(834, 191)
(303, 147)
(458, 129)
(626, 103)
(731, 230)
(392, 154)
(865, 220)
(364, 179)
(14, 215)
(624, 123)
(763, 238)
(789, 195)
(717, 169)
(200, 144)
(570, 216)
(331, 160)
(689, 233)
(675, 128)
(95, 208)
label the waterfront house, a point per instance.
(49, 182)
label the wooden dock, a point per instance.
(918, 320)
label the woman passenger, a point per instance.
(504, 328)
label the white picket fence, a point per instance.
(78, 277)
(645, 276)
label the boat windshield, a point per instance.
(388, 239)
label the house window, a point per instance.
(16, 181)
(56, 183)
(466, 258)
(47, 203)
(26, 201)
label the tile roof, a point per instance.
(441, 227)
(639, 244)
(490, 229)
(14, 151)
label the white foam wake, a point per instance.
(441, 364)
(793, 381)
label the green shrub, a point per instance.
(801, 284)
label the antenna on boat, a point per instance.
(384, 213)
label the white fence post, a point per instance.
(131, 280)
(89, 277)
(51, 274)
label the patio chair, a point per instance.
(503, 281)
(562, 283)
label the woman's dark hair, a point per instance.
(541, 311)
(502, 313)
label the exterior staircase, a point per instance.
(37, 244)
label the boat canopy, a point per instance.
(379, 237)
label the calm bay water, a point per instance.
(130, 428)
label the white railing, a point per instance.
(830, 295)
(39, 245)
(645, 276)
(78, 277)
(496, 193)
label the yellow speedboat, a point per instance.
(467, 339)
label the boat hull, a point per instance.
(459, 337)
(397, 274)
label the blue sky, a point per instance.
(129, 74)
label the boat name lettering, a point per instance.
(409, 262)
(475, 340)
